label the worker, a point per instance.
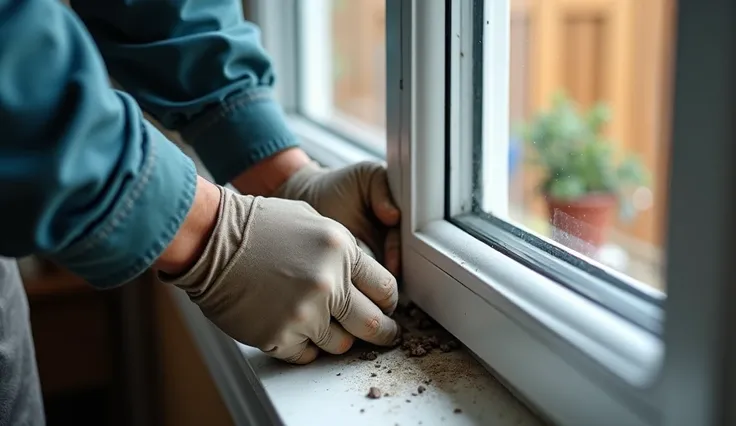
(87, 182)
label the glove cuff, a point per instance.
(224, 243)
(297, 186)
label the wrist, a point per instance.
(191, 239)
(268, 175)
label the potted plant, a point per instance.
(583, 179)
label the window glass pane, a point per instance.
(343, 67)
(588, 143)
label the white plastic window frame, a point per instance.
(533, 332)
(571, 359)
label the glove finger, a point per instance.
(336, 340)
(392, 252)
(382, 203)
(363, 246)
(364, 320)
(300, 353)
(374, 281)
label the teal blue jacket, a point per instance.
(84, 179)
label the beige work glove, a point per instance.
(358, 197)
(278, 276)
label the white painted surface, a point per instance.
(316, 395)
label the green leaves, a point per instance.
(567, 188)
(577, 157)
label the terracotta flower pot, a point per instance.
(587, 218)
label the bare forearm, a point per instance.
(191, 239)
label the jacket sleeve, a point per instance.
(84, 179)
(198, 67)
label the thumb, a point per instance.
(382, 202)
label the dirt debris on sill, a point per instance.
(421, 356)
(368, 356)
(374, 393)
(451, 379)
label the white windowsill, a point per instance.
(314, 394)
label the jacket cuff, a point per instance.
(143, 221)
(241, 132)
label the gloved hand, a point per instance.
(358, 197)
(278, 276)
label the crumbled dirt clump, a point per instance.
(420, 345)
(417, 351)
(449, 346)
(431, 341)
(368, 356)
(374, 393)
(420, 336)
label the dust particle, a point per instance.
(338, 374)
(374, 374)
(362, 410)
(457, 411)
(421, 389)
(413, 394)
(386, 395)
(374, 393)
(427, 382)
(408, 400)
(368, 356)
(389, 371)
